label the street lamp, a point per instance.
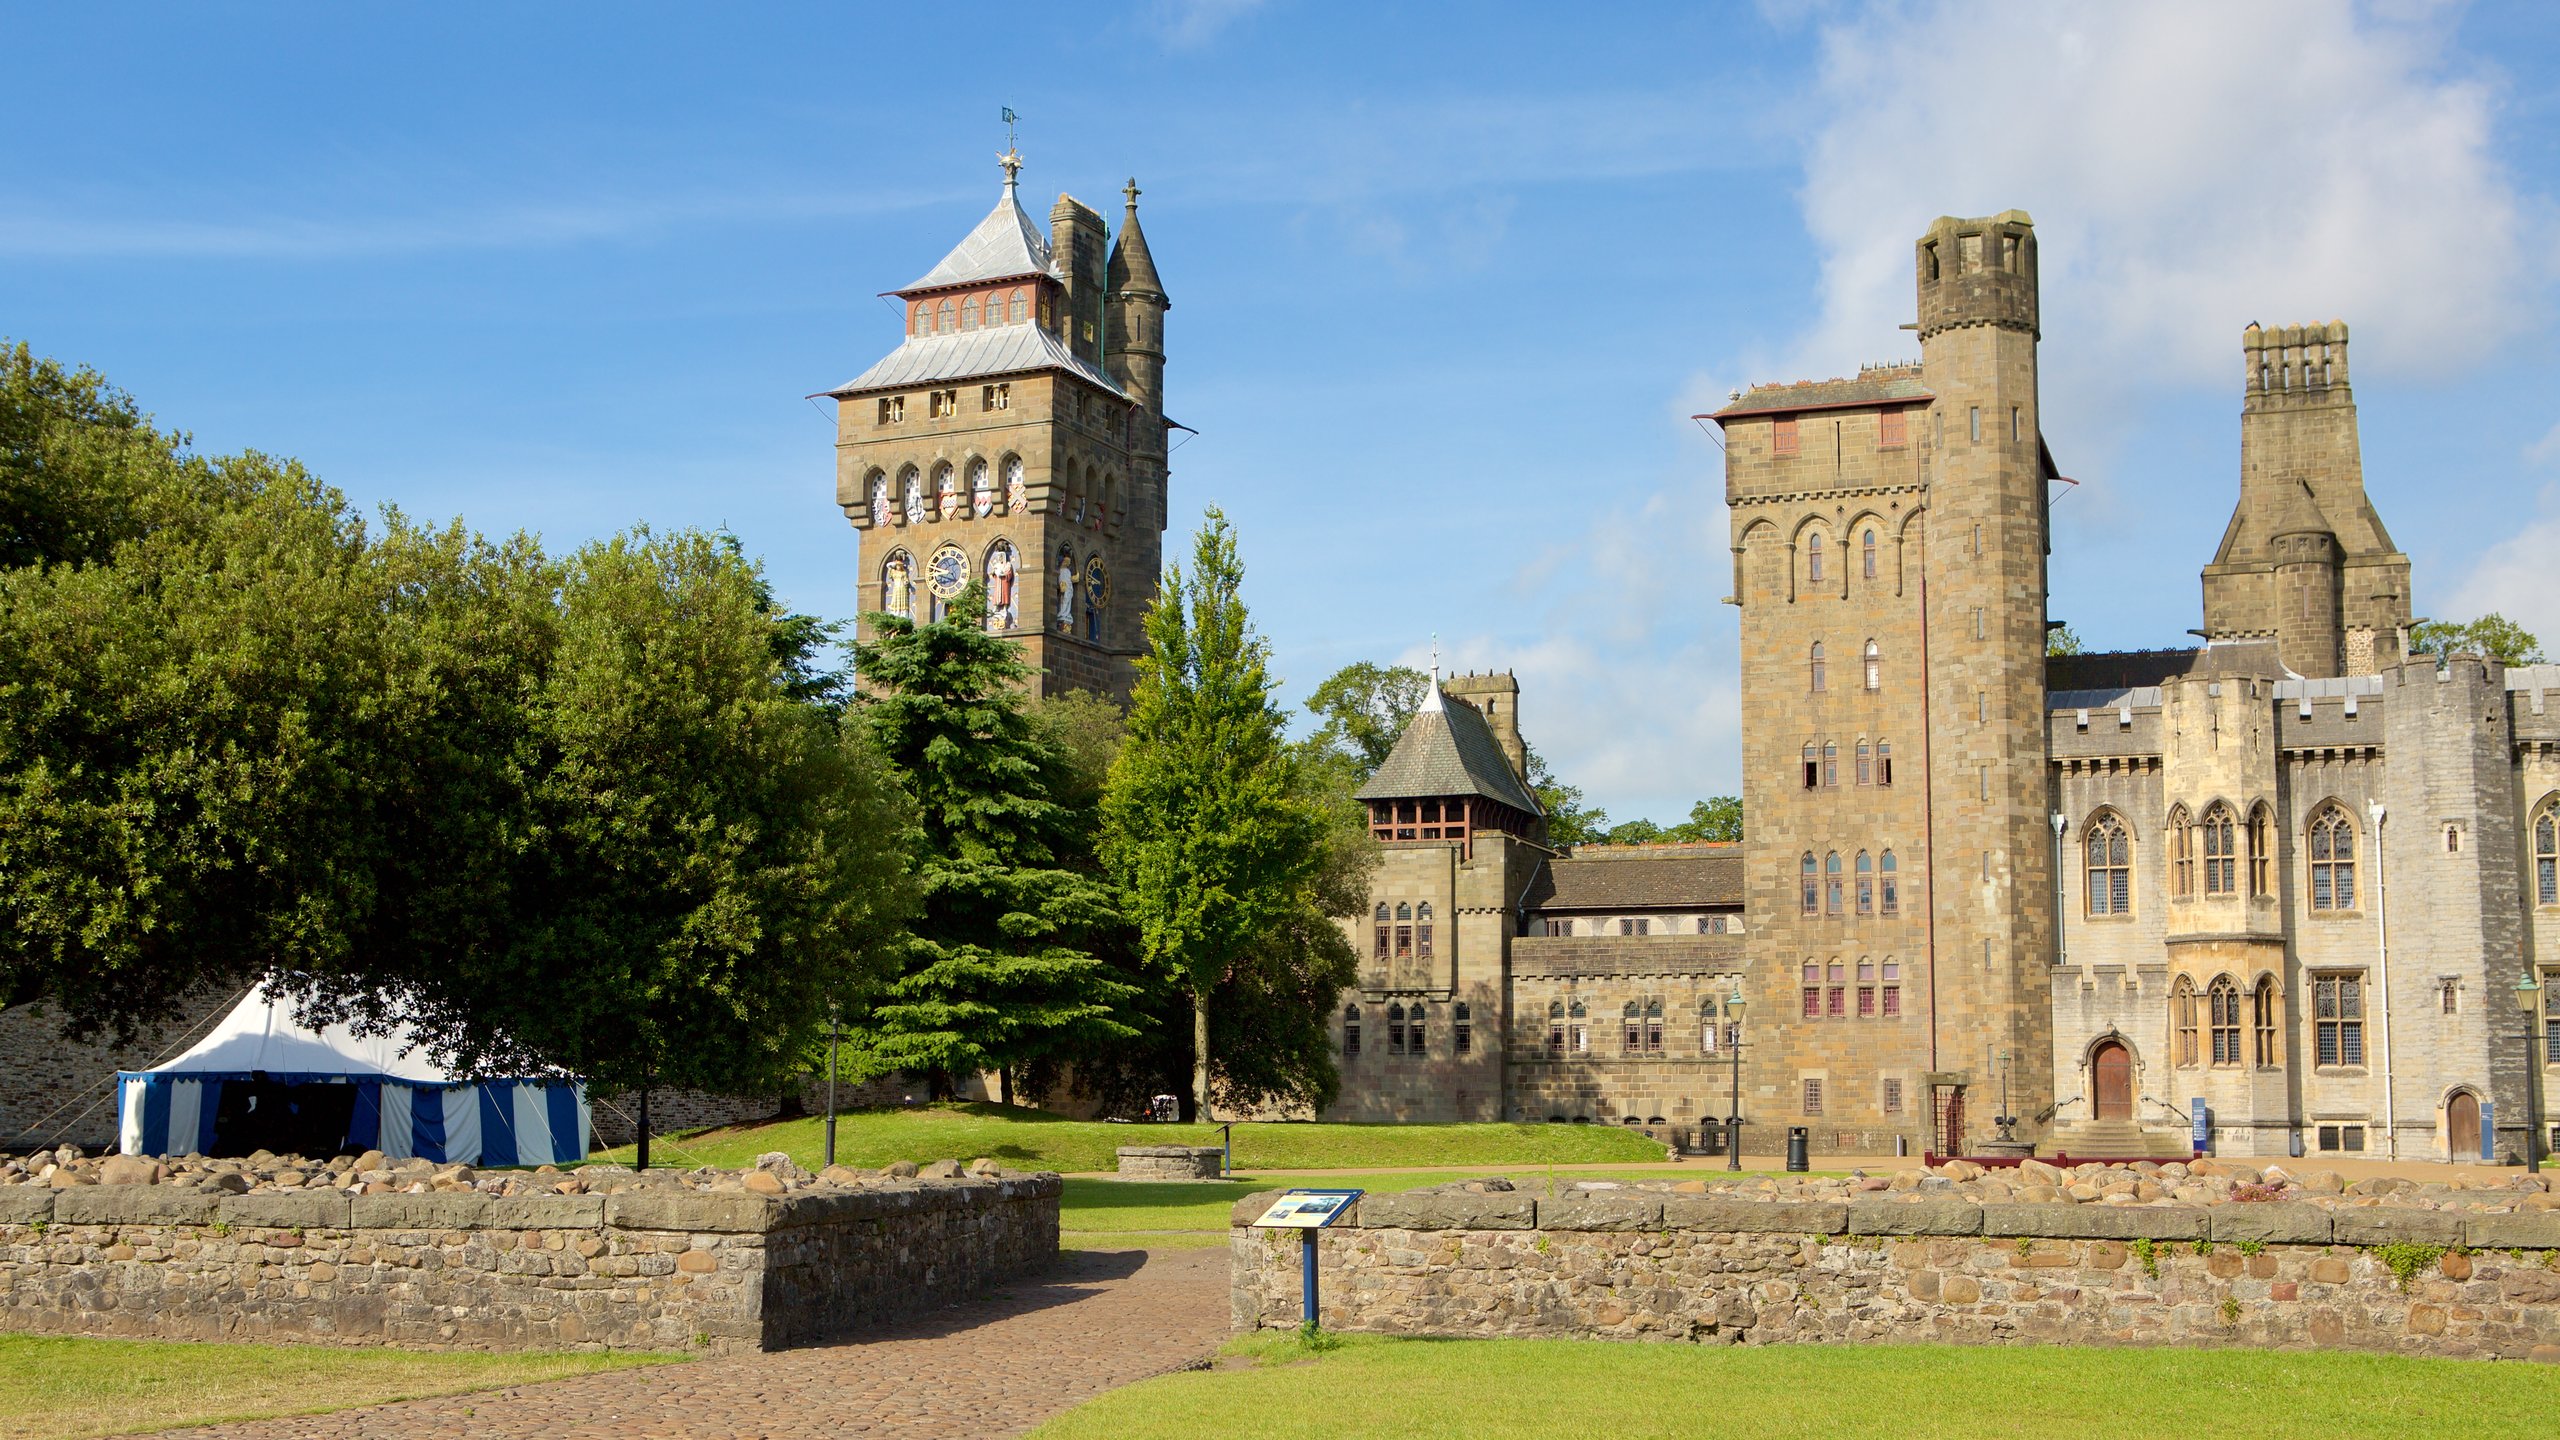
(1733, 1007)
(2528, 993)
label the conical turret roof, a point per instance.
(1003, 246)
(1448, 750)
(1132, 268)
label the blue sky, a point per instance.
(1447, 282)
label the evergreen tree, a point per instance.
(1002, 968)
(1206, 825)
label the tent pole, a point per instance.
(831, 1089)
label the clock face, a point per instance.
(1097, 580)
(947, 573)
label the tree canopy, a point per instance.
(2493, 636)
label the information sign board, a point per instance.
(1307, 1209)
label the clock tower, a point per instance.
(1017, 436)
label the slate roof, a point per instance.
(1871, 387)
(970, 355)
(1640, 877)
(1448, 749)
(1005, 245)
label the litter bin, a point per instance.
(1796, 1135)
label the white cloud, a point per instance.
(2192, 164)
(2516, 577)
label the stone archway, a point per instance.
(2111, 1081)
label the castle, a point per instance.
(1017, 436)
(2279, 889)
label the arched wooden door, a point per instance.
(2462, 1126)
(2111, 1081)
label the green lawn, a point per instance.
(63, 1387)
(1107, 1206)
(1496, 1389)
(1037, 1140)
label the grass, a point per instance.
(1094, 1205)
(68, 1387)
(1276, 1386)
(1036, 1140)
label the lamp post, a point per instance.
(1733, 1007)
(2528, 993)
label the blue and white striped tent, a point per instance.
(263, 1080)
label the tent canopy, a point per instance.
(261, 1079)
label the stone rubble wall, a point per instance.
(1630, 1265)
(1170, 1162)
(642, 1270)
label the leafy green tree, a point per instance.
(77, 459)
(2061, 640)
(1087, 731)
(1717, 818)
(1634, 832)
(2492, 635)
(1001, 969)
(1205, 825)
(1365, 708)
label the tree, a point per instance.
(1001, 969)
(77, 459)
(1569, 821)
(1205, 824)
(1365, 709)
(2492, 636)
(1719, 818)
(2061, 640)
(1633, 832)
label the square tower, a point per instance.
(1889, 538)
(1016, 436)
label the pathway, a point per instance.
(994, 1366)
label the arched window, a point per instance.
(1555, 1027)
(1404, 935)
(1813, 561)
(1830, 764)
(1866, 764)
(1577, 1034)
(1812, 894)
(1831, 883)
(1866, 883)
(1021, 308)
(2333, 859)
(1812, 775)
(2182, 1020)
(2546, 855)
(1816, 665)
(2221, 851)
(1422, 931)
(1875, 667)
(1395, 1029)
(1383, 929)
(2223, 1003)
(1462, 1028)
(2182, 855)
(1891, 900)
(2262, 1019)
(1884, 762)
(1350, 1031)
(1414, 1042)
(924, 320)
(2262, 852)
(969, 313)
(1653, 1027)
(1812, 990)
(2110, 853)
(1633, 1019)
(945, 319)
(1867, 548)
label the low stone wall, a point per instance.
(1171, 1162)
(1640, 1265)
(642, 1270)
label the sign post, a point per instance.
(1307, 1211)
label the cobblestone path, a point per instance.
(994, 1366)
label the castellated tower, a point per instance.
(1016, 436)
(1889, 548)
(2305, 560)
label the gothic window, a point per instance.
(1812, 894)
(1830, 765)
(2449, 996)
(1892, 989)
(1812, 990)
(1635, 1029)
(1422, 931)
(1462, 1030)
(1395, 1029)
(1866, 989)
(1021, 309)
(924, 320)
(1875, 667)
(1866, 764)
(1578, 1038)
(2546, 855)
(1816, 665)
(1404, 934)
(1835, 991)
(1383, 929)
(1891, 900)
(1813, 560)
(944, 321)
(2262, 1019)
(1350, 1031)
(1653, 1027)
(1710, 1014)
(1867, 550)
(1884, 762)
(1831, 883)
(1866, 883)
(2221, 848)
(2110, 855)
(1782, 437)
(2333, 860)
(969, 313)
(2182, 858)
(1555, 1027)
(2337, 1009)
(1413, 1036)
(1812, 776)
(2262, 852)
(2182, 1020)
(2222, 1003)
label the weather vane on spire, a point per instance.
(1435, 657)
(1011, 159)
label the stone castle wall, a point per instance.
(1725, 1269)
(648, 1270)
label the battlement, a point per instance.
(2296, 362)
(1978, 272)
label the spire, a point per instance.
(1005, 245)
(1011, 160)
(1430, 696)
(1132, 268)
